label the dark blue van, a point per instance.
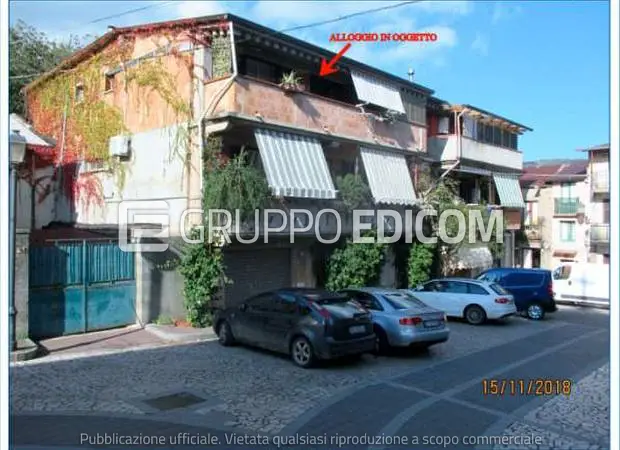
(532, 289)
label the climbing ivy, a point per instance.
(356, 264)
(354, 193)
(71, 108)
(419, 263)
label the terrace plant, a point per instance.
(291, 82)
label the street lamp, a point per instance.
(17, 154)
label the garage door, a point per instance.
(256, 271)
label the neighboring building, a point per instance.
(229, 70)
(480, 150)
(597, 213)
(556, 194)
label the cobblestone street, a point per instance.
(241, 390)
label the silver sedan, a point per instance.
(400, 319)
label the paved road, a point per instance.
(400, 399)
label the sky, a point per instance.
(542, 64)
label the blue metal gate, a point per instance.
(80, 286)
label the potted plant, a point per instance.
(290, 82)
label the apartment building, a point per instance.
(480, 150)
(597, 213)
(235, 76)
(555, 227)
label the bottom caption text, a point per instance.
(330, 441)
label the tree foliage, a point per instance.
(32, 52)
(354, 193)
(356, 264)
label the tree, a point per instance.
(31, 53)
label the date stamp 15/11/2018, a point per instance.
(538, 387)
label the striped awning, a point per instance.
(509, 190)
(295, 165)
(377, 92)
(388, 176)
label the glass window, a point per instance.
(261, 303)
(480, 127)
(568, 231)
(403, 300)
(505, 138)
(488, 134)
(498, 289)
(497, 136)
(562, 273)
(366, 300)
(286, 304)
(476, 290)
(457, 287)
(433, 286)
(514, 141)
(566, 190)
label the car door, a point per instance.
(455, 297)
(480, 296)
(279, 321)
(251, 320)
(429, 293)
(524, 287)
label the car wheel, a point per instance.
(535, 312)
(224, 334)
(475, 315)
(302, 352)
(382, 345)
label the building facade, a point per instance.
(597, 214)
(223, 85)
(555, 225)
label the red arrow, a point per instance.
(327, 68)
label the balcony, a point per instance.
(533, 231)
(599, 233)
(567, 206)
(600, 182)
(445, 148)
(267, 102)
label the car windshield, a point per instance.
(498, 289)
(402, 300)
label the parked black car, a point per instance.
(308, 324)
(532, 289)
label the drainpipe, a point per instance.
(216, 99)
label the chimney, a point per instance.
(411, 72)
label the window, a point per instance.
(568, 231)
(415, 107)
(79, 93)
(469, 127)
(476, 290)
(261, 303)
(366, 300)
(444, 125)
(109, 82)
(261, 70)
(456, 287)
(514, 141)
(403, 301)
(330, 89)
(497, 136)
(566, 190)
(433, 286)
(480, 127)
(285, 304)
(488, 134)
(562, 273)
(489, 276)
(505, 138)
(499, 290)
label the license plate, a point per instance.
(432, 323)
(358, 329)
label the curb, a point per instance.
(169, 333)
(27, 350)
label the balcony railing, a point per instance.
(600, 182)
(599, 233)
(567, 206)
